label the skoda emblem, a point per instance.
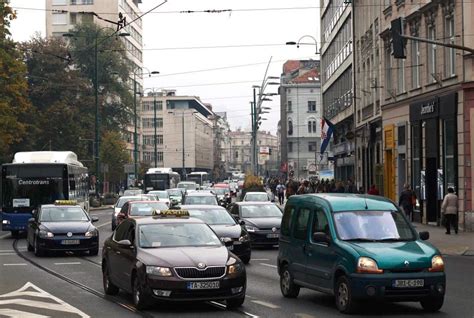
(407, 263)
(69, 234)
(201, 265)
(274, 229)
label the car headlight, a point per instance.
(45, 234)
(244, 238)
(159, 271)
(92, 233)
(251, 228)
(235, 268)
(437, 264)
(368, 266)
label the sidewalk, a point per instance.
(454, 244)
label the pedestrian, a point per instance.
(280, 189)
(407, 200)
(449, 209)
(304, 187)
(373, 190)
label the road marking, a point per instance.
(68, 263)
(34, 297)
(17, 313)
(264, 303)
(303, 315)
(106, 223)
(5, 235)
(269, 265)
(1, 251)
(260, 259)
(6, 254)
(15, 264)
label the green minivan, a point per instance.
(357, 247)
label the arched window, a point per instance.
(290, 127)
(312, 125)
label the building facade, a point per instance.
(63, 15)
(222, 154)
(300, 92)
(427, 106)
(336, 81)
(184, 132)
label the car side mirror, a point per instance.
(227, 241)
(242, 222)
(94, 219)
(31, 220)
(124, 243)
(424, 236)
(320, 237)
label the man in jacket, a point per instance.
(449, 209)
(406, 201)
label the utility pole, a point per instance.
(135, 136)
(97, 120)
(254, 131)
(182, 131)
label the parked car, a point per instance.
(357, 248)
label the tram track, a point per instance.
(99, 294)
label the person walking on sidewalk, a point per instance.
(407, 197)
(280, 190)
(449, 209)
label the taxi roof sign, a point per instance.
(65, 202)
(171, 213)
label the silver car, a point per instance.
(121, 201)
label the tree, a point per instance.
(13, 87)
(114, 153)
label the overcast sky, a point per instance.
(250, 24)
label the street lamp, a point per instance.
(96, 94)
(299, 42)
(154, 91)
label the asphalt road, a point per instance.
(71, 286)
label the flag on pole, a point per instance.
(327, 129)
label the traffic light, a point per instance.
(398, 43)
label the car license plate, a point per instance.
(272, 235)
(204, 285)
(70, 242)
(408, 283)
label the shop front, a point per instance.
(434, 152)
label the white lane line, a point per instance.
(15, 264)
(260, 259)
(1, 251)
(5, 235)
(303, 315)
(269, 265)
(68, 263)
(6, 254)
(106, 223)
(265, 304)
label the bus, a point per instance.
(40, 177)
(201, 178)
(161, 179)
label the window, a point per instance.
(87, 18)
(401, 76)
(311, 106)
(431, 54)
(159, 156)
(312, 126)
(59, 18)
(290, 107)
(312, 146)
(290, 146)
(73, 18)
(59, 2)
(159, 139)
(286, 220)
(388, 68)
(290, 127)
(415, 61)
(449, 54)
(320, 222)
(401, 136)
(300, 230)
(75, 2)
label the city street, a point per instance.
(71, 286)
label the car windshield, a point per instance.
(213, 216)
(372, 226)
(219, 191)
(63, 214)
(145, 208)
(160, 194)
(122, 200)
(261, 197)
(260, 211)
(201, 200)
(176, 235)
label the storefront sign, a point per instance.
(425, 109)
(428, 108)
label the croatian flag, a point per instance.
(327, 129)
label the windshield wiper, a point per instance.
(360, 239)
(393, 239)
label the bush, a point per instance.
(94, 202)
(252, 184)
(109, 198)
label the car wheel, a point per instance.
(235, 302)
(109, 287)
(139, 296)
(344, 302)
(245, 259)
(38, 250)
(288, 288)
(94, 251)
(432, 304)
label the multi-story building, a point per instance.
(222, 153)
(241, 150)
(184, 132)
(63, 15)
(427, 105)
(367, 91)
(336, 81)
(300, 94)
